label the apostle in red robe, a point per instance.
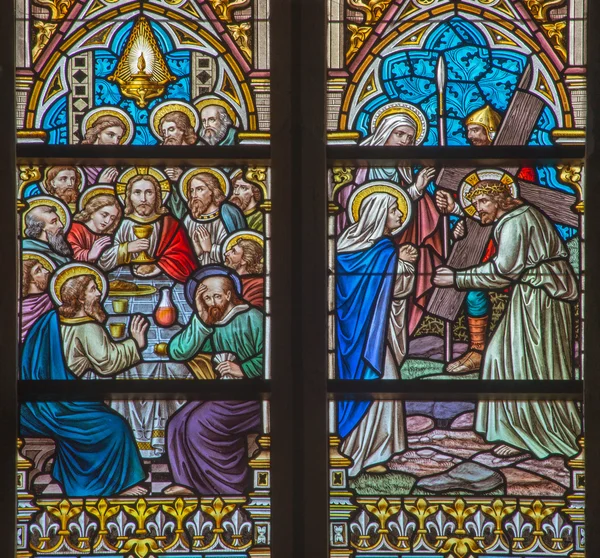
(90, 233)
(149, 238)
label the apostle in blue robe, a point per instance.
(96, 454)
(373, 280)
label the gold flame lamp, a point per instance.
(142, 72)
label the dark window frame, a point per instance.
(299, 389)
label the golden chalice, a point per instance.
(143, 231)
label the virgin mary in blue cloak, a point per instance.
(372, 284)
(96, 454)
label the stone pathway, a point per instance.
(456, 460)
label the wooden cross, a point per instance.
(521, 116)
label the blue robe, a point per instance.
(364, 287)
(96, 454)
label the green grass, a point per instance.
(392, 483)
(420, 369)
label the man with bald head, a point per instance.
(206, 440)
(45, 233)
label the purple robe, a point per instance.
(32, 307)
(208, 449)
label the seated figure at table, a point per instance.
(98, 218)
(206, 440)
(96, 454)
(244, 253)
(44, 225)
(210, 218)
(149, 230)
(35, 279)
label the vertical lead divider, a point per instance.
(311, 185)
(285, 367)
(8, 296)
(591, 332)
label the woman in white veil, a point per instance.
(373, 279)
(398, 125)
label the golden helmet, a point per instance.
(486, 117)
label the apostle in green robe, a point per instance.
(534, 338)
(207, 440)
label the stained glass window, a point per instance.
(144, 283)
(443, 272)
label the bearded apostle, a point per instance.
(45, 224)
(166, 249)
(64, 183)
(247, 197)
(35, 278)
(217, 126)
(98, 219)
(96, 454)
(210, 219)
(374, 277)
(207, 440)
(534, 339)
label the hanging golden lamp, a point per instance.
(142, 72)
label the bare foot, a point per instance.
(506, 451)
(467, 364)
(176, 490)
(376, 469)
(135, 491)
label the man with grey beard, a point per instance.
(45, 233)
(217, 126)
(210, 219)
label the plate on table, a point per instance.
(126, 288)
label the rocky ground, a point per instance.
(456, 460)
(446, 456)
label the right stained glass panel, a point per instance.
(494, 72)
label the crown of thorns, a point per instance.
(488, 187)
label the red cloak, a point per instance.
(174, 254)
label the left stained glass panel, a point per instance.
(145, 477)
(143, 72)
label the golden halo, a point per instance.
(98, 190)
(380, 187)
(82, 177)
(184, 183)
(414, 113)
(214, 101)
(473, 179)
(121, 187)
(169, 106)
(61, 209)
(241, 235)
(91, 117)
(46, 262)
(69, 271)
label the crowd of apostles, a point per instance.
(204, 228)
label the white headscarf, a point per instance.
(385, 128)
(370, 225)
(381, 135)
